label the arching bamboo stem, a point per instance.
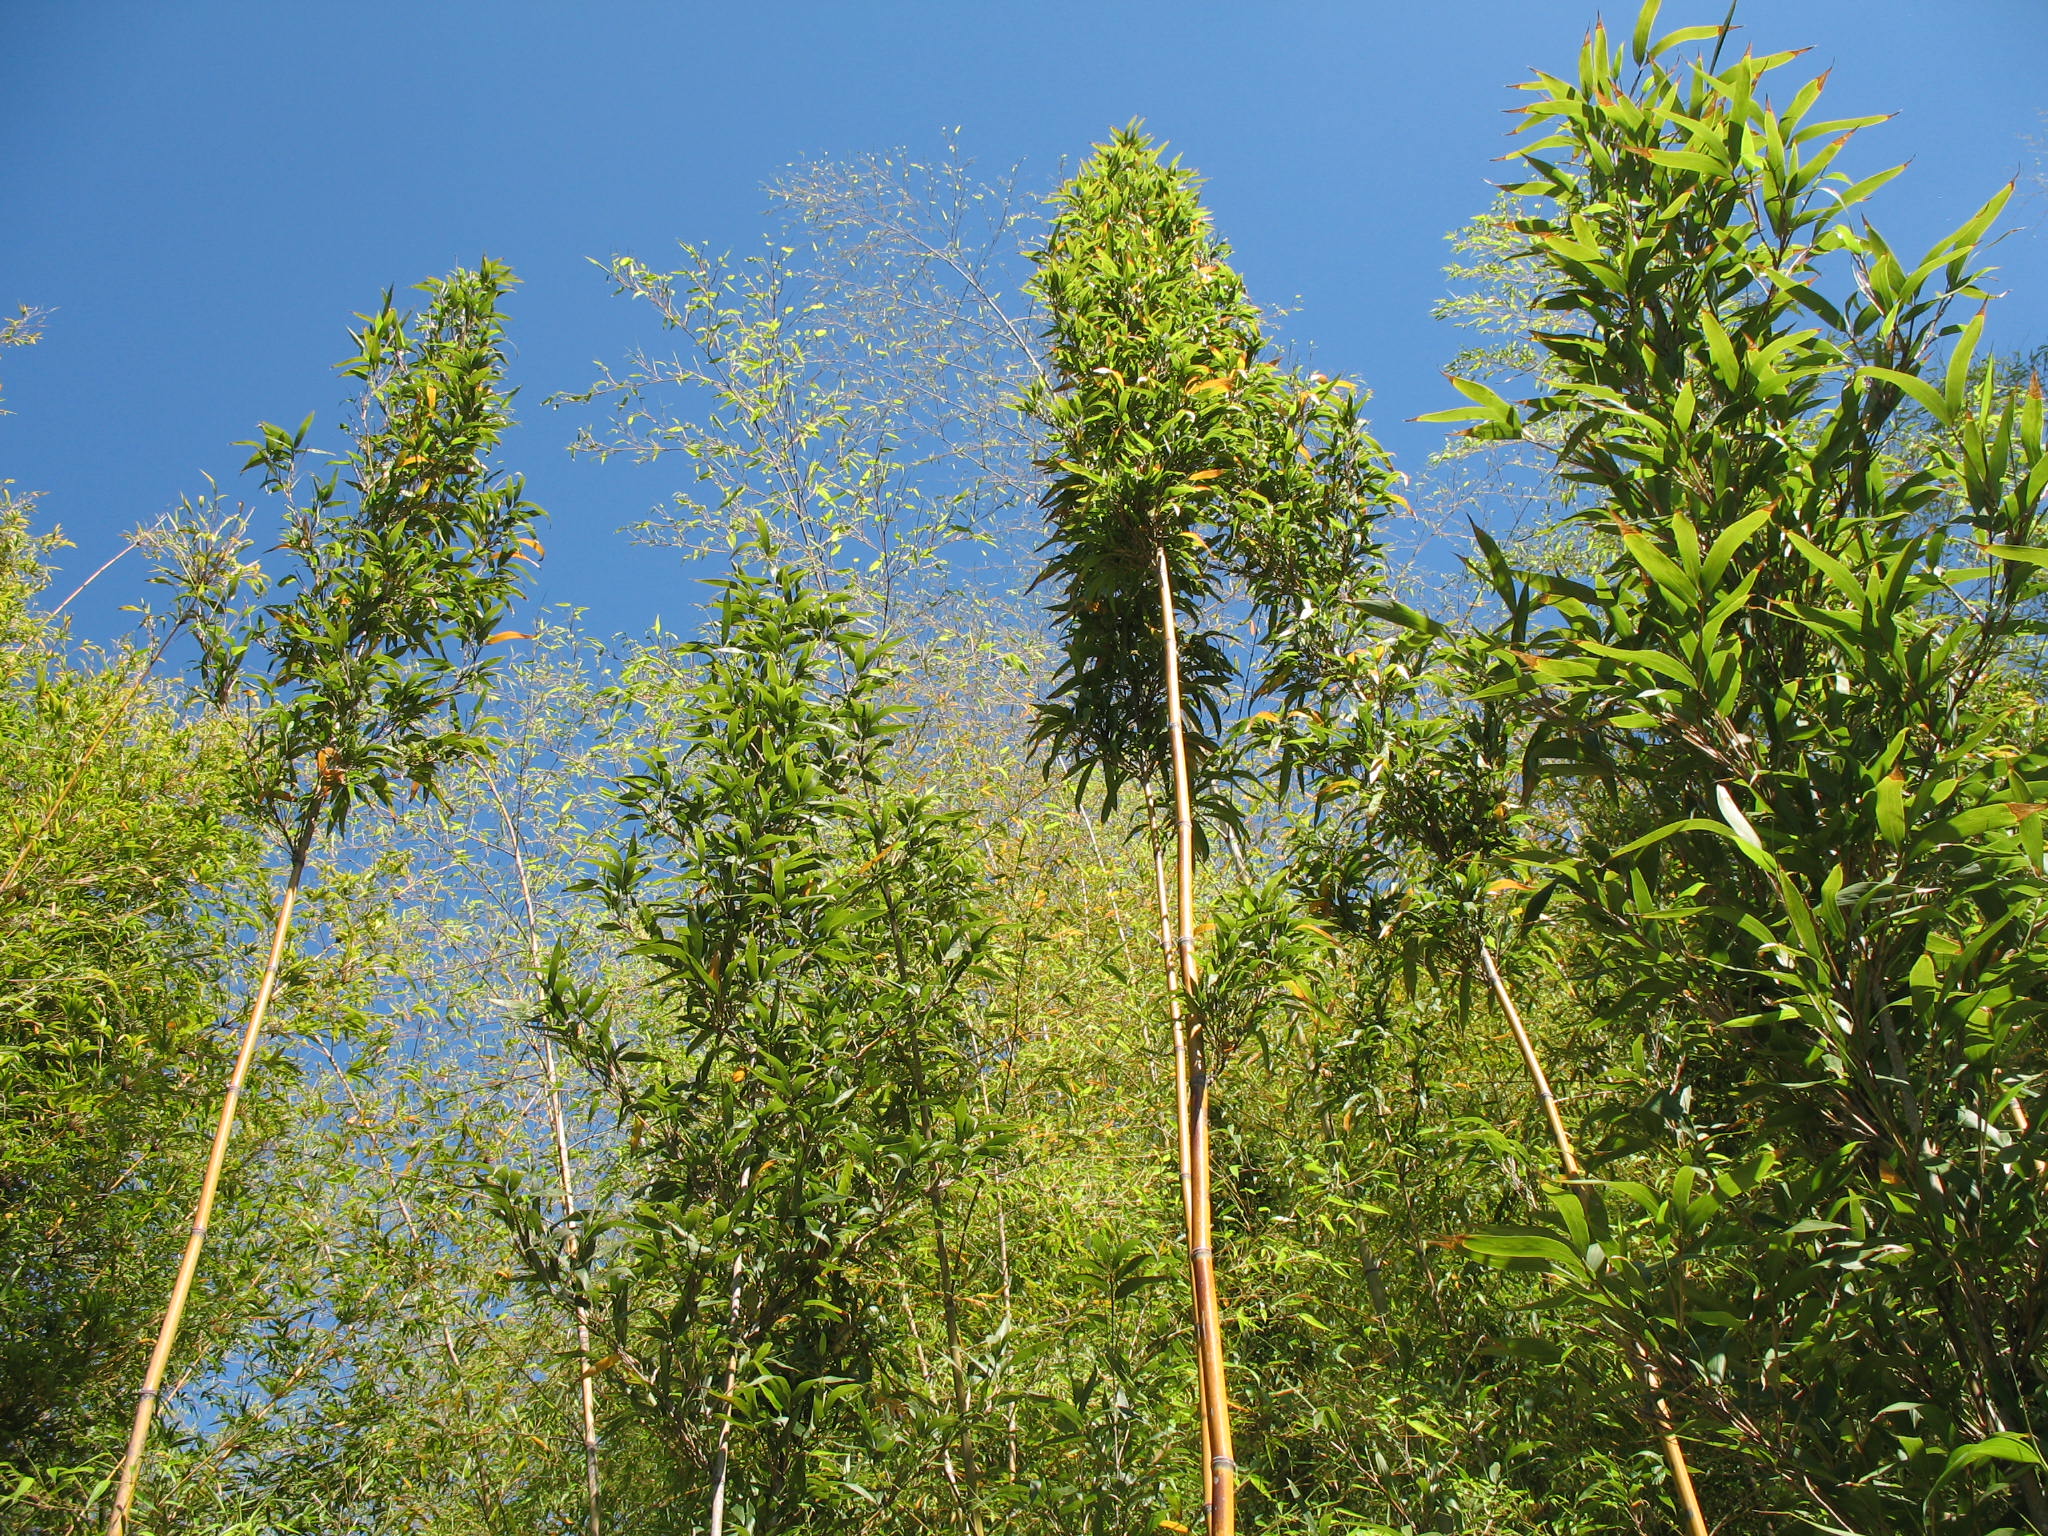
(1683, 1492)
(209, 1185)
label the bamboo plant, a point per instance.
(361, 678)
(1186, 469)
(1407, 768)
(1783, 439)
(797, 1078)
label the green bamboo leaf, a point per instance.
(1838, 575)
(1518, 1245)
(2016, 1449)
(1680, 36)
(1652, 661)
(1687, 160)
(1974, 822)
(1918, 389)
(1646, 22)
(1720, 350)
(2019, 554)
(1662, 569)
(1731, 540)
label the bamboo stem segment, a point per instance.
(209, 1187)
(1684, 1494)
(1573, 1172)
(957, 1353)
(1220, 1473)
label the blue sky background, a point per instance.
(202, 193)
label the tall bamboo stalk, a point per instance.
(1684, 1494)
(209, 1186)
(1221, 1470)
(586, 1386)
(1169, 957)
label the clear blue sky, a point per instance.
(203, 192)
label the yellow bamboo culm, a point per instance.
(1683, 1492)
(209, 1187)
(1169, 956)
(1220, 1469)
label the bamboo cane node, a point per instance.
(1201, 1253)
(1223, 1463)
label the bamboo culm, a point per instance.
(1683, 1493)
(209, 1187)
(1220, 1470)
(1169, 956)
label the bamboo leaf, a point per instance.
(1891, 807)
(2016, 1449)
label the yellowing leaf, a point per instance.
(508, 634)
(1209, 386)
(1732, 814)
(1891, 807)
(1203, 474)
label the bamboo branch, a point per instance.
(128, 543)
(188, 1265)
(1684, 1494)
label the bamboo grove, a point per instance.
(1093, 988)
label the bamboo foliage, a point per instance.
(1616, 1015)
(1184, 464)
(1805, 701)
(405, 560)
(1413, 812)
(111, 947)
(794, 1067)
